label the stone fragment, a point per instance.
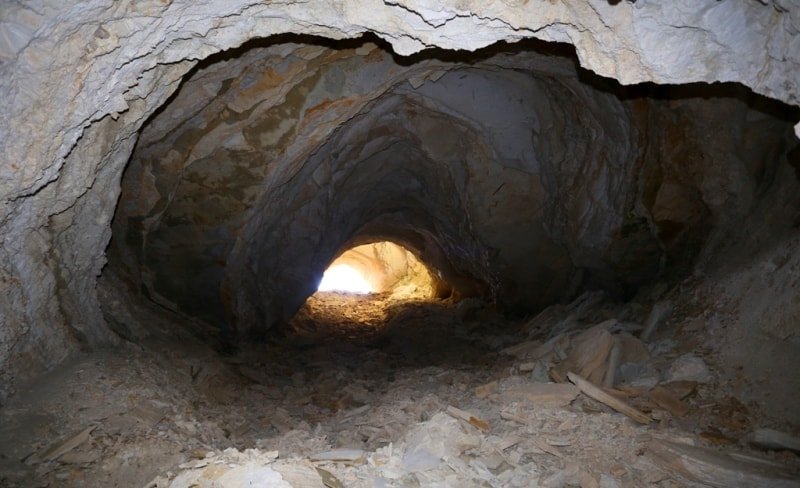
(666, 400)
(340, 455)
(80, 457)
(614, 358)
(420, 459)
(688, 368)
(523, 349)
(300, 475)
(431, 441)
(680, 389)
(68, 444)
(658, 314)
(638, 375)
(539, 373)
(555, 480)
(773, 439)
(588, 481)
(485, 390)
(662, 347)
(633, 349)
(589, 352)
(328, 479)
(492, 461)
(553, 347)
(607, 481)
(250, 476)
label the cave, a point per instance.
(572, 229)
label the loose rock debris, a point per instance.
(395, 395)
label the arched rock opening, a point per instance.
(388, 267)
(520, 176)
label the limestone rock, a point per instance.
(688, 368)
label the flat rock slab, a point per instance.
(719, 469)
(773, 439)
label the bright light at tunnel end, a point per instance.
(343, 278)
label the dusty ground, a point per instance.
(377, 376)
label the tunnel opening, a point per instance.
(363, 288)
(343, 278)
(521, 227)
(269, 157)
(382, 267)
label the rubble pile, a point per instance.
(422, 394)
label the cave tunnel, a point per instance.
(573, 231)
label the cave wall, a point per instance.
(80, 78)
(527, 174)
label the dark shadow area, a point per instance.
(390, 335)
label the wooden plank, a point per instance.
(718, 469)
(601, 396)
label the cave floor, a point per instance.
(359, 391)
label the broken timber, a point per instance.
(601, 396)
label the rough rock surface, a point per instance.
(79, 79)
(378, 396)
(516, 173)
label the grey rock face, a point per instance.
(688, 368)
(510, 177)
